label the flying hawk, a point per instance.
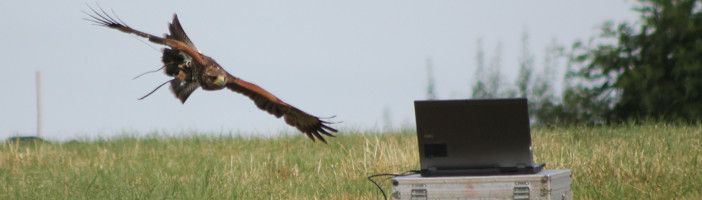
(191, 69)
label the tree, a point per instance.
(546, 108)
(652, 70)
(479, 90)
(387, 119)
(494, 84)
(488, 83)
(526, 68)
(431, 85)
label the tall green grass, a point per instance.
(630, 161)
(649, 161)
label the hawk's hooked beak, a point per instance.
(221, 81)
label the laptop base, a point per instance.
(536, 168)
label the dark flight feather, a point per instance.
(183, 89)
(311, 125)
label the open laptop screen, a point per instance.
(473, 134)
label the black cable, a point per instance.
(370, 178)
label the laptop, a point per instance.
(474, 137)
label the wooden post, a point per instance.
(39, 109)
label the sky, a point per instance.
(355, 60)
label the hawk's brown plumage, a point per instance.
(191, 69)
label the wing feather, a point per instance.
(183, 89)
(311, 125)
(177, 32)
(103, 19)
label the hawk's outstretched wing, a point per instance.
(177, 40)
(312, 126)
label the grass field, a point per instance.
(649, 161)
